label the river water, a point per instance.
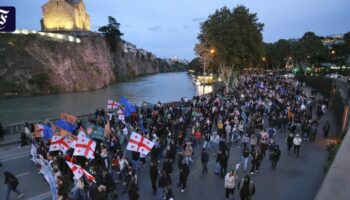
(165, 87)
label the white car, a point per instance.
(289, 75)
(334, 76)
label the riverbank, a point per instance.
(33, 64)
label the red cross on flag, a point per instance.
(59, 143)
(38, 130)
(139, 143)
(85, 147)
(78, 172)
(112, 104)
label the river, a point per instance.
(164, 87)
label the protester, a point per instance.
(153, 170)
(289, 142)
(204, 160)
(246, 188)
(184, 172)
(2, 132)
(326, 128)
(275, 156)
(12, 183)
(256, 161)
(297, 144)
(230, 179)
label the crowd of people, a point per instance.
(246, 120)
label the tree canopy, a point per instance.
(111, 32)
(235, 35)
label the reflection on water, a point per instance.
(164, 87)
(204, 89)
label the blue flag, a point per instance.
(124, 101)
(47, 132)
(65, 125)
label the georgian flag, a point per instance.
(39, 130)
(78, 172)
(112, 104)
(139, 144)
(85, 147)
(59, 143)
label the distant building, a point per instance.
(333, 40)
(65, 15)
(129, 47)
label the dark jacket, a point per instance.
(153, 172)
(11, 180)
(205, 157)
(163, 181)
(167, 167)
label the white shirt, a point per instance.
(297, 141)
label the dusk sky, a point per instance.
(169, 28)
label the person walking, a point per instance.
(275, 156)
(290, 142)
(188, 152)
(230, 185)
(2, 132)
(297, 144)
(223, 159)
(163, 183)
(153, 172)
(246, 188)
(184, 172)
(168, 169)
(204, 160)
(245, 158)
(253, 141)
(326, 128)
(12, 183)
(256, 161)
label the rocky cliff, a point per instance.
(34, 64)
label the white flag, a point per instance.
(55, 143)
(85, 147)
(78, 172)
(139, 143)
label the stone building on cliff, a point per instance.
(65, 15)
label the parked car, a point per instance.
(334, 76)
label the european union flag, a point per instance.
(123, 100)
(47, 132)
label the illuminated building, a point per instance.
(65, 15)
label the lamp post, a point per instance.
(211, 52)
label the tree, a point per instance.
(308, 48)
(195, 65)
(111, 32)
(236, 37)
(278, 53)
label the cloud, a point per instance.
(197, 19)
(155, 28)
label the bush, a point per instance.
(321, 84)
(332, 152)
(337, 106)
(41, 80)
(12, 88)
